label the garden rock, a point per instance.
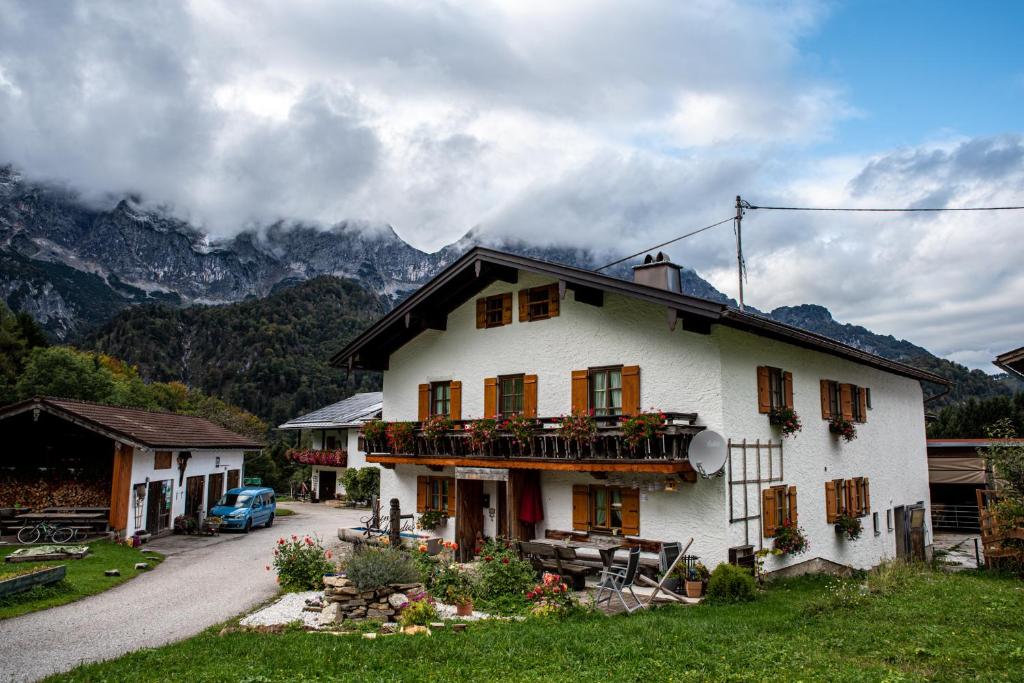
(142, 565)
(330, 615)
(112, 572)
(398, 600)
(415, 630)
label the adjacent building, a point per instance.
(138, 468)
(498, 335)
(333, 434)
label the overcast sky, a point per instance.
(605, 124)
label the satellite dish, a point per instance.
(708, 453)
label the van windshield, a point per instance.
(235, 500)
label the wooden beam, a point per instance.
(588, 295)
(673, 318)
(680, 467)
(696, 325)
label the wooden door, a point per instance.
(234, 478)
(121, 486)
(158, 506)
(916, 533)
(328, 485)
(194, 495)
(469, 516)
(216, 490)
(899, 515)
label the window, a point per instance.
(774, 389)
(863, 496)
(888, 519)
(848, 401)
(847, 497)
(330, 442)
(510, 395)
(538, 303)
(867, 398)
(441, 398)
(605, 390)
(778, 506)
(435, 494)
(162, 460)
(494, 311)
(834, 403)
(855, 404)
(611, 509)
(874, 523)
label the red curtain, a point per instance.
(531, 510)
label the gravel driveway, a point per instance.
(203, 581)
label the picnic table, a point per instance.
(604, 545)
(65, 516)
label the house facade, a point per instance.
(141, 468)
(333, 435)
(503, 335)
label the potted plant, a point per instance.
(432, 519)
(435, 427)
(790, 538)
(696, 578)
(399, 436)
(851, 526)
(521, 428)
(375, 433)
(787, 420)
(482, 434)
(578, 428)
(842, 428)
(639, 428)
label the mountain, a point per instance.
(124, 274)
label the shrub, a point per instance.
(504, 578)
(419, 612)
(729, 583)
(361, 483)
(301, 563)
(552, 597)
(373, 568)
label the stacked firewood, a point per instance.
(40, 493)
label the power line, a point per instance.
(659, 246)
(809, 208)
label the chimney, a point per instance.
(659, 271)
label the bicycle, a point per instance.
(55, 534)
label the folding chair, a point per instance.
(666, 571)
(618, 579)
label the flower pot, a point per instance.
(464, 609)
(694, 589)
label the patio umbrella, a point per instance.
(530, 509)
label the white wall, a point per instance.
(202, 462)
(713, 375)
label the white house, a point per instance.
(500, 334)
(142, 468)
(334, 432)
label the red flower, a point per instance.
(504, 560)
(488, 558)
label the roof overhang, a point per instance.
(429, 306)
(1012, 362)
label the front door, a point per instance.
(328, 485)
(917, 533)
(216, 490)
(469, 516)
(194, 495)
(899, 514)
(234, 477)
(158, 506)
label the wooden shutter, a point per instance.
(424, 402)
(787, 383)
(826, 403)
(506, 308)
(846, 401)
(491, 397)
(553, 301)
(852, 502)
(481, 313)
(831, 502)
(631, 390)
(451, 496)
(866, 496)
(422, 493)
(764, 399)
(631, 512)
(455, 406)
(580, 507)
(862, 399)
(580, 389)
(524, 305)
(530, 395)
(121, 486)
(769, 512)
(791, 493)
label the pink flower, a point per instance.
(329, 556)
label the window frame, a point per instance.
(835, 401)
(609, 506)
(782, 509)
(521, 377)
(855, 403)
(609, 409)
(446, 399)
(533, 313)
(874, 523)
(489, 309)
(890, 522)
(441, 488)
(776, 388)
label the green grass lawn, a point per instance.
(934, 627)
(84, 577)
(283, 512)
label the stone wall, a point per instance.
(344, 601)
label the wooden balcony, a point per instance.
(546, 449)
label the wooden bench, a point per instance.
(560, 560)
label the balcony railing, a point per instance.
(547, 443)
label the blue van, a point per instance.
(246, 507)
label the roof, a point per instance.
(350, 412)
(1012, 362)
(428, 308)
(971, 443)
(150, 428)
